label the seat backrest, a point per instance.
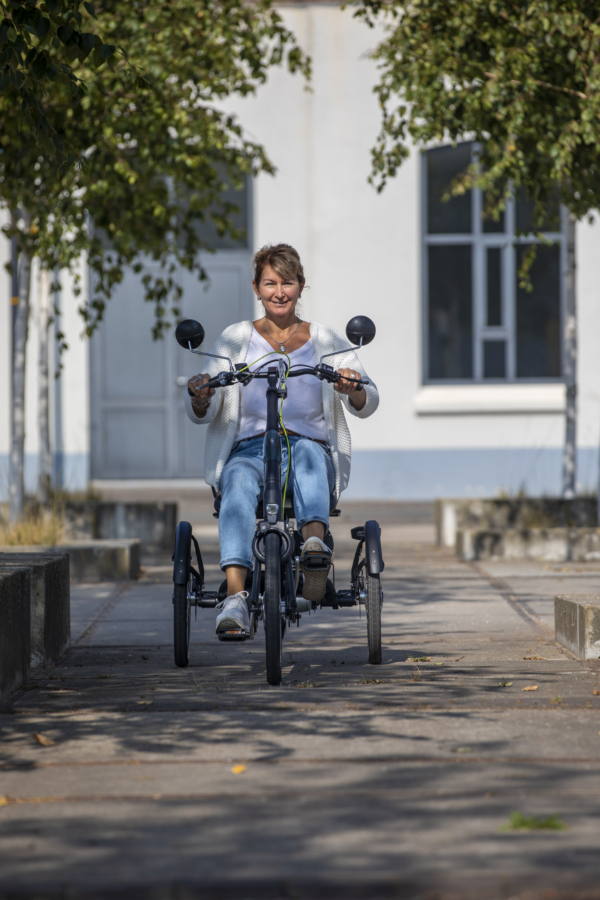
(289, 505)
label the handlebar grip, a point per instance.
(213, 383)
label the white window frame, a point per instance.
(480, 242)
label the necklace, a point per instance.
(281, 343)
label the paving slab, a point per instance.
(348, 781)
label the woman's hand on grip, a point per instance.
(350, 388)
(199, 394)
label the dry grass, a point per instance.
(43, 527)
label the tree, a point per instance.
(40, 40)
(157, 159)
(522, 80)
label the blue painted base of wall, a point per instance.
(407, 474)
(427, 474)
(72, 469)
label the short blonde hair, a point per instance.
(281, 257)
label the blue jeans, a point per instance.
(312, 478)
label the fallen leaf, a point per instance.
(420, 658)
(145, 702)
(464, 750)
(439, 664)
(43, 740)
(144, 657)
(529, 649)
(237, 770)
(3, 801)
(519, 822)
(596, 691)
(537, 657)
(459, 659)
(504, 683)
(532, 687)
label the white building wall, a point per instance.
(362, 254)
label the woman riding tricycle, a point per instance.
(290, 441)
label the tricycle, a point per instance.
(275, 584)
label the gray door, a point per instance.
(139, 426)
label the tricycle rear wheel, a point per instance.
(182, 615)
(374, 619)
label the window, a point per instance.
(479, 324)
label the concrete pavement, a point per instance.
(348, 781)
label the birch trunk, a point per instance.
(570, 345)
(17, 450)
(45, 457)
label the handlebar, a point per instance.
(324, 373)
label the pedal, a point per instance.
(230, 634)
(316, 562)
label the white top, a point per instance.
(302, 408)
(222, 415)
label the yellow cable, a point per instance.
(283, 428)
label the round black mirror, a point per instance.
(189, 332)
(360, 330)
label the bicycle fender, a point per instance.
(373, 555)
(182, 555)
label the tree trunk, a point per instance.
(570, 345)
(17, 451)
(45, 457)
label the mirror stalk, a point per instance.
(344, 350)
(212, 356)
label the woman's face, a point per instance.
(278, 294)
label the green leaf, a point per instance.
(90, 9)
(11, 34)
(42, 27)
(518, 822)
(64, 33)
(87, 42)
(107, 50)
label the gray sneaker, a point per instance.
(315, 562)
(234, 616)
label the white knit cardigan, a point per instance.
(223, 413)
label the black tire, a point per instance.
(272, 598)
(374, 619)
(182, 616)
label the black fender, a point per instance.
(373, 555)
(183, 553)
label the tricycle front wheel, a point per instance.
(272, 610)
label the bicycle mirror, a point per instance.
(189, 332)
(360, 330)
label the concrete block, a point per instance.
(49, 599)
(545, 544)
(153, 524)
(519, 513)
(94, 561)
(577, 624)
(15, 628)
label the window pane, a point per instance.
(494, 359)
(524, 221)
(538, 316)
(490, 226)
(494, 286)
(443, 165)
(206, 228)
(450, 312)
